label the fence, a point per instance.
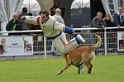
(42, 47)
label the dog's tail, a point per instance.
(98, 44)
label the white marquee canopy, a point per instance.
(110, 6)
(7, 8)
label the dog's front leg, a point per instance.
(79, 70)
(64, 69)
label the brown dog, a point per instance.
(25, 44)
(84, 53)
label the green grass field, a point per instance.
(105, 69)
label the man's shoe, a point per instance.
(82, 68)
(80, 38)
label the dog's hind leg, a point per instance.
(89, 66)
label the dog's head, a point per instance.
(3, 40)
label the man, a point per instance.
(25, 25)
(14, 24)
(118, 17)
(97, 22)
(55, 31)
(58, 16)
(52, 10)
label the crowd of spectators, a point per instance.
(117, 20)
(16, 24)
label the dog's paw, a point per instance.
(57, 74)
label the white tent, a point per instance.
(7, 7)
(111, 6)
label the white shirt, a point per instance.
(59, 18)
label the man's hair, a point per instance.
(58, 10)
(30, 14)
(24, 10)
(54, 7)
(40, 12)
(99, 13)
(46, 13)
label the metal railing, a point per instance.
(42, 49)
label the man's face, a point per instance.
(99, 16)
(15, 16)
(52, 11)
(44, 17)
(120, 10)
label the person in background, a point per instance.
(118, 20)
(108, 21)
(14, 24)
(30, 14)
(52, 13)
(110, 32)
(118, 17)
(56, 32)
(25, 25)
(58, 18)
(52, 10)
(97, 22)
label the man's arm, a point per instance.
(116, 19)
(30, 19)
(103, 23)
(61, 27)
(8, 26)
(93, 24)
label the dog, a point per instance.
(25, 44)
(82, 54)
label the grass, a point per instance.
(106, 69)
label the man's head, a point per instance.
(120, 10)
(58, 10)
(45, 16)
(99, 15)
(24, 10)
(15, 16)
(52, 10)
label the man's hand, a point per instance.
(119, 26)
(103, 26)
(22, 18)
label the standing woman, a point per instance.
(110, 32)
(108, 20)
